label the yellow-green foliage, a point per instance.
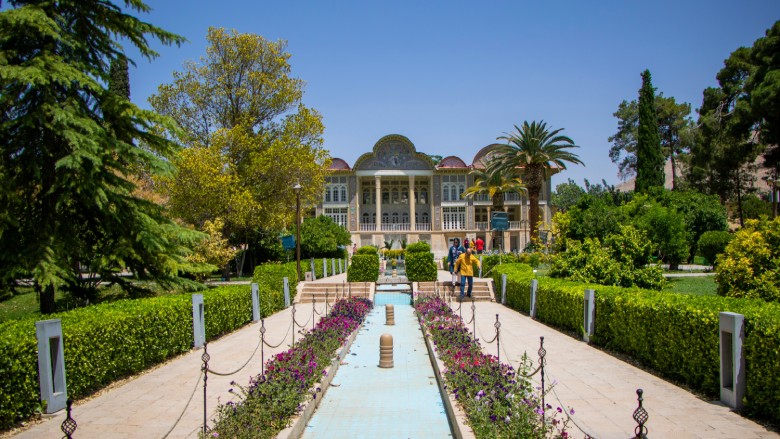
(750, 266)
(675, 334)
(213, 249)
(364, 268)
(106, 342)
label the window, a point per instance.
(453, 218)
(453, 187)
(335, 190)
(338, 215)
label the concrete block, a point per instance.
(51, 364)
(732, 359)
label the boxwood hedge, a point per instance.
(419, 263)
(674, 334)
(106, 342)
(364, 268)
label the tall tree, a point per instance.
(68, 145)
(249, 138)
(727, 144)
(649, 157)
(676, 130)
(533, 149)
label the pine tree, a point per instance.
(649, 157)
(68, 146)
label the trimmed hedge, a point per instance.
(107, 342)
(420, 266)
(364, 268)
(675, 334)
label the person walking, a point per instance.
(452, 256)
(465, 266)
(480, 245)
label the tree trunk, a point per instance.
(46, 298)
(674, 171)
(533, 213)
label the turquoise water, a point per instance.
(372, 402)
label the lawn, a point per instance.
(696, 285)
(19, 307)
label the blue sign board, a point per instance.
(499, 221)
(288, 242)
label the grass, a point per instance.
(19, 307)
(696, 285)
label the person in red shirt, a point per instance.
(480, 245)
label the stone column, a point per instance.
(378, 203)
(412, 206)
(358, 203)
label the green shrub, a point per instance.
(364, 268)
(490, 261)
(713, 243)
(418, 247)
(107, 342)
(749, 267)
(420, 267)
(367, 250)
(674, 334)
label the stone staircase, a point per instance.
(317, 291)
(482, 290)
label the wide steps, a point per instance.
(321, 291)
(482, 291)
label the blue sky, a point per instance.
(452, 76)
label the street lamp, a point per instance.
(297, 189)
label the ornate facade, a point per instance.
(396, 193)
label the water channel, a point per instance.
(368, 401)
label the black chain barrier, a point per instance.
(184, 410)
(69, 425)
(640, 416)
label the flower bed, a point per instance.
(498, 402)
(270, 401)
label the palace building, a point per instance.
(396, 193)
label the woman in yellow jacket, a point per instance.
(465, 266)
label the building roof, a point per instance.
(452, 162)
(338, 164)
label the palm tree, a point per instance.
(534, 149)
(495, 183)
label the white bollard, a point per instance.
(324, 267)
(732, 359)
(589, 315)
(286, 292)
(255, 303)
(51, 364)
(313, 273)
(332, 266)
(198, 321)
(534, 288)
(503, 289)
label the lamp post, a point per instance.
(297, 189)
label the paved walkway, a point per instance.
(602, 389)
(599, 387)
(147, 406)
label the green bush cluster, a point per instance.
(420, 266)
(750, 265)
(620, 261)
(106, 342)
(364, 268)
(675, 334)
(713, 243)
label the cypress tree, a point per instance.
(649, 157)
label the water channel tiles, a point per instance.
(369, 401)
